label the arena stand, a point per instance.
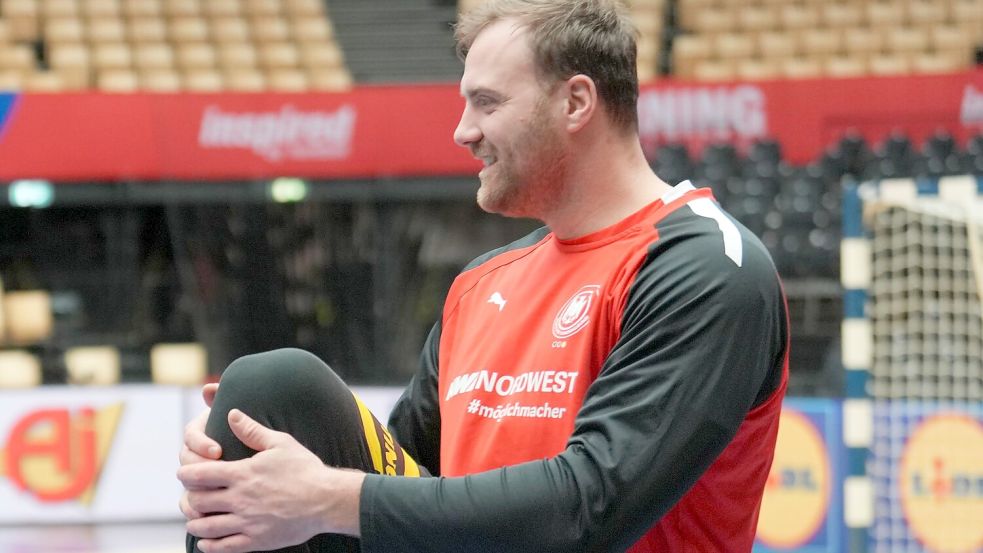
(148, 242)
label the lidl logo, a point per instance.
(942, 483)
(57, 454)
(797, 492)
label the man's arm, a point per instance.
(415, 419)
(701, 338)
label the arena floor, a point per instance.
(99, 538)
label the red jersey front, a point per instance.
(621, 388)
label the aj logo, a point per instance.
(56, 456)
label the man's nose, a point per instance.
(467, 131)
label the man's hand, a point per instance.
(197, 446)
(284, 495)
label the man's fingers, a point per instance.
(209, 501)
(187, 457)
(239, 543)
(252, 433)
(198, 442)
(208, 393)
(208, 475)
(215, 526)
(186, 509)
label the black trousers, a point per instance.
(293, 391)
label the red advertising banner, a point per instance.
(398, 131)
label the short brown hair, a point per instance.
(570, 37)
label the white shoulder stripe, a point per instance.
(733, 245)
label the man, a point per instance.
(611, 382)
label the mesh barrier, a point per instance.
(925, 303)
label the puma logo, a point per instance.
(498, 300)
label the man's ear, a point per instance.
(581, 101)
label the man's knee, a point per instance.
(278, 376)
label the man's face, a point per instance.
(511, 122)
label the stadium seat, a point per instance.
(44, 81)
(112, 56)
(795, 17)
(715, 70)
(153, 56)
(939, 62)
(11, 80)
(230, 30)
(178, 364)
(188, 30)
(884, 15)
(160, 80)
(337, 79)
(270, 29)
(142, 8)
(147, 30)
(286, 80)
(182, 8)
(64, 30)
(844, 66)
(889, 64)
(836, 16)
(282, 55)
(321, 56)
(245, 80)
(862, 41)
(202, 80)
(733, 46)
(308, 30)
(59, 8)
(819, 44)
(758, 69)
(19, 369)
(755, 19)
(261, 8)
(777, 45)
(718, 20)
(304, 8)
(93, 365)
(117, 80)
(673, 164)
(927, 14)
(907, 40)
(106, 29)
(688, 50)
(192, 56)
(101, 8)
(28, 316)
(237, 56)
(17, 57)
(222, 8)
(801, 68)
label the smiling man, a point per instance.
(610, 382)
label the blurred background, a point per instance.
(183, 182)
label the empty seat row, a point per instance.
(177, 364)
(753, 69)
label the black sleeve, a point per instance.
(700, 339)
(415, 419)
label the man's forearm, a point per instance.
(340, 495)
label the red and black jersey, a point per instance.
(616, 391)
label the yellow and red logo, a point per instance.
(56, 455)
(941, 482)
(797, 493)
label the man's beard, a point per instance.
(529, 182)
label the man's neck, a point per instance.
(612, 181)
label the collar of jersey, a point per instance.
(630, 225)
